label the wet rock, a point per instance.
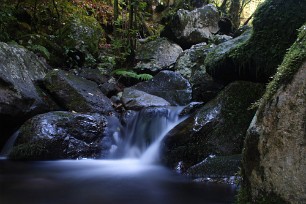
(63, 135)
(217, 128)
(190, 64)
(76, 94)
(20, 97)
(216, 168)
(274, 161)
(136, 100)
(192, 27)
(168, 85)
(157, 55)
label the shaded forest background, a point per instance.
(44, 26)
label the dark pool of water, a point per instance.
(103, 182)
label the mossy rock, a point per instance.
(273, 156)
(275, 27)
(82, 33)
(217, 128)
(75, 93)
(62, 135)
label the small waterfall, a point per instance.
(143, 133)
(8, 146)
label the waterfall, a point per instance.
(143, 133)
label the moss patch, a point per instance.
(291, 63)
(274, 30)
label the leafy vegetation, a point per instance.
(132, 74)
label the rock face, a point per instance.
(63, 135)
(268, 41)
(168, 85)
(274, 164)
(157, 55)
(20, 98)
(136, 100)
(216, 128)
(76, 94)
(190, 64)
(192, 27)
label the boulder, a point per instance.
(275, 25)
(221, 169)
(217, 128)
(20, 97)
(190, 64)
(157, 55)
(219, 54)
(168, 85)
(81, 34)
(274, 163)
(192, 27)
(63, 135)
(76, 94)
(135, 100)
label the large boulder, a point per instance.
(20, 97)
(275, 27)
(190, 64)
(136, 100)
(168, 85)
(157, 55)
(192, 27)
(81, 33)
(63, 135)
(76, 94)
(220, 53)
(274, 163)
(217, 128)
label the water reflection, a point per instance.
(103, 182)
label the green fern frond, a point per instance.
(131, 74)
(40, 49)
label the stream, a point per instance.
(132, 174)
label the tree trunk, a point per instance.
(116, 10)
(234, 11)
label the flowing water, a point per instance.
(131, 176)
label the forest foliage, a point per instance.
(41, 26)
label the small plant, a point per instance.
(132, 74)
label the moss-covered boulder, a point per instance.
(63, 135)
(190, 64)
(157, 55)
(76, 93)
(217, 128)
(274, 163)
(275, 27)
(80, 38)
(20, 95)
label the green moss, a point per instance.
(293, 60)
(29, 151)
(275, 27)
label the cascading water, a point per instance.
(130, 175)
(143, 133)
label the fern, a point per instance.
(132, 74)
(40, 49)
